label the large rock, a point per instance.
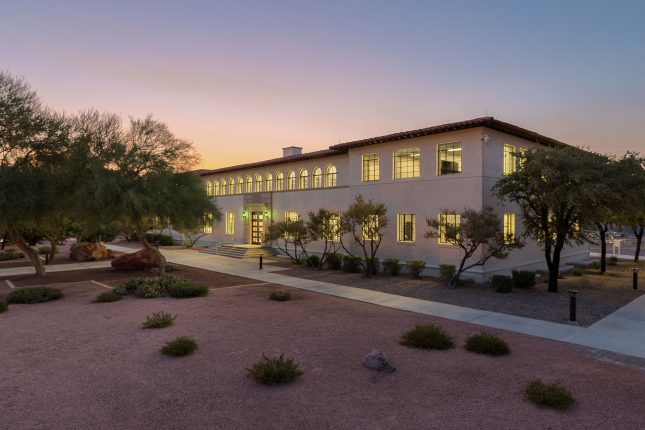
(377, 361)
(140, 260)
(88, 252)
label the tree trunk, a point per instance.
(638, 232)
(159, 258)
(20, 242)
(454, 282)
(52, 252)
(602, 230)
(554, 268)
(4, 240)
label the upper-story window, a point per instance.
(231, 186)
(330, 176)
(407, 163)
(316, 176)
(240, 185)
(209, 188)
(249, 185)
(370, 168)
(449, 158)
(258, 183)
(510, 162)
(291, 180)
(223, 189)
(268, 182)
(303, 179)
(279, 181)
(216, 187)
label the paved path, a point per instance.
(54, 268)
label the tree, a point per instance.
(472, 230)
(324, 226)
(291, 237)
(365, 221)
(558, 192)
(631, 168)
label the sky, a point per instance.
(242, 79)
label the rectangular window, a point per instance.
(334, 227)
(509, 228)
(291, 216)
(230, 223)
(405, 227)
(448, 158)
(208, 223)
(448, 222)
(406, 163)
(510, 161)
(370, 228)
(370, 168)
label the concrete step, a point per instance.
(239, 252)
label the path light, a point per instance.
(572, 305)
(635, 278)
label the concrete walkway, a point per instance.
(54, 268)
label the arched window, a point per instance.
(231, 186)
(291, 180)
(268, 182)
(330, 176)
(216, 187)
(249, 184)
(279, 181)
(223, 187)
(209, 188)
(240, 185)
(317, 177)
(258, 183)
(303, 179)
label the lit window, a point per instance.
(279, 181)
(230, 223)
(258, 183)
(209, 188)
(291, 216)
(208, 223)
(449, 158)
(370, 168)
(231, 186)
(330, 176)
(370, 228)
(509, 228)
(448, 221)
(406, 163)
(405, 227)
(268, 182)
(303, 179)
(291, 180)
(223, 190)
(216, 188)
(334, 227)
(509, 159)
(249, 184)
(240, 185)
(316, 176)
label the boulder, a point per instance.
(377, 361)
(88, 252)
(140, 260)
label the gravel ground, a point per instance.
(73, 364)
(62, 257)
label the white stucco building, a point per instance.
(416, 173)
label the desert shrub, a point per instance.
(335, 261)
(577, 271)
(501, 283)
(392, 266)
(280, 296)
(274, 371)
(427, 337)
(183, 345)
(150, 290)
(552, 396)
(486, 343)
(130, 286)
(11, 255)
(612, 261)
(187, 289)
(595, 264)
(107, 297)
(45, 249)
(313, 261)
(159, 320)
(4, 307)
(352, 263)
(446, 273)
(416, 267)
(163, 239)
(523, 278)
(34, 295)
(375, 267)
(160, 286)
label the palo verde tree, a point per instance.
(324, 226)
(479, 235)
(631, 169)
(365, 222)
(557, 191)
(291, 237)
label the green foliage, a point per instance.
(446, 273)
(375, 267)
(11, 255)
(577, 271)
(183, 345)
(274, 371)
(34, 295)
(486, 343)
(292, 238)
(352, 263)
(159, 320)
(392, 266)
(313, 261)
(160, 286)
(280, 296)
(162, 239)
(130, 286)
(552, 396)
(523, 278)
(501, 283)
(45, 249)
(416, 267)
(150, 290)
(186, 289)
(4, 306)
(612, 261)
(108, 296)
(335, 261)
(427, 337)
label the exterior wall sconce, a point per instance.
(245, 214)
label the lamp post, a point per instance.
(572, 305)
(635, 278)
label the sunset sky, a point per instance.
(242, 79)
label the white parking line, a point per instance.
(10, 284)
(238, 286)
(102, 285)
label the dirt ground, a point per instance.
(74, 364)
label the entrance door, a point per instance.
(257, 228)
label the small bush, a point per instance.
(375, 267)
(186, 290)
(577, 271)
(280, 296)
(150, 290)
(416, 267)
(489, 344)
(523, 278)
(163, 239)
(501, 283)
(427, 337)
(313, 261)
(392, 266)
(335, 261)
(107, 297)
(4, 307)
(45, 249)
(159, 320)
(183, 345)
(34, 295)
(352, 263)
(612, 261)
(130, 286)
(11, 255)
(552, 396)
(160, 286)
(274, 371)
(446, 273)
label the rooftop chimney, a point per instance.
(291, 150)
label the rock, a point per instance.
(377, 361)
(88, 252)
(140, 260)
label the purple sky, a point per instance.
(242, 79)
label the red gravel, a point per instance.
(73, 364)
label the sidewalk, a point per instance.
(29, 270)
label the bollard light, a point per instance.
(635, 278)
(260, 261)
(572, 305)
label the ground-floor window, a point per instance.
(509, 227)
(447, 225)
(291, 216)
(230, 223)
(371, 228)
(333, 229)
(208, 223)
(405, 227)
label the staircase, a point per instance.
(240, 251)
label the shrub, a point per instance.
(130, 286)
(107, 297)
(274, 371)
(523, 278)
(375, 267)
(45, 249)
(11, 255)
(552, 396)
(416, 267)
(159, 320)
(313, 261)
(577, 271)
(501, 283)
(446, 273)
(4, 307)
(392, 266)
(183, 345)
(187, 289)
(150, 290)
(163, 285)
(280, 296)
(612, 261)
(163, 239)
(352, 263)
(489, 344)
(335, 261)
(34, 295)
(427, 337)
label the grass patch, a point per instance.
(183, 345)
(280, 296)
(159, 320)
(552, 396)
(274, 371)
(34, 295)
(108, 297)
(427, 337)
(486, 343)
(4, 306)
